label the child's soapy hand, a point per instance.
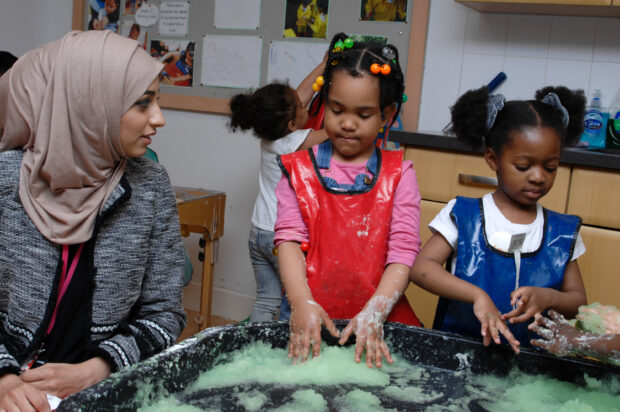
(558, 336)
(529, 301)
(305, 329)
(491, 323)
(368, 328)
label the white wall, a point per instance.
(464, 50)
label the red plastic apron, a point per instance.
(348, 236)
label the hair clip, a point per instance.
(318, 83)
(388, 53)
(384, 69)
(494, 105)
(553, 100)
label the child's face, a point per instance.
(353, 115)
(110, 6)
(527, 165)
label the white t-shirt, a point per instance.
(496, 222)
(264, 215)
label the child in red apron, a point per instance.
(352, 207)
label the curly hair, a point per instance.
(469, 117)
(357, 60)
(267, 111)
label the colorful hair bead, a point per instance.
(318, 83)
(338, 46)
(375, 68)
(385, 69)
(404, 97)
(348, 43)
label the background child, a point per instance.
(523, 141)
(356, 207)
(560, 338)
(277, 114)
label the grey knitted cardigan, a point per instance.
(138, 259)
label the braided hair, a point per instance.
(356, 61)
(469, 117)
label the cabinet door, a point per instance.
(595, 196)
(423, 302)
(599, 265)
(443, 175)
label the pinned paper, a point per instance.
(174, 17)
(147, 15)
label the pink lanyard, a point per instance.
(65, 279)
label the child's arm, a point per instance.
(560, 338)
(306, 315)
(428, 272)
(531, 300)
(304, 90)
(368, 324)
(314, 137)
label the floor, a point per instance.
(192, 326)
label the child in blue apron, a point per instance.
(510, 258)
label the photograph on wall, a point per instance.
(306, 18)
(134, 31)
(384, 10)
(178, 59)
(104, 15)
(131, 6)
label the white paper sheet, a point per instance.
(237, 14)
(293, 61)
(173, 18)
(231, 61)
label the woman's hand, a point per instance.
(19, 396)
(528, 301)
(63, 379)
(305, 329)
(558, 336)
(491, 323)
(368, 328)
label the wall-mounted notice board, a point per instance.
(214, 49)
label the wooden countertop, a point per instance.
(597, 158)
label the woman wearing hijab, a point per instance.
(91, 258)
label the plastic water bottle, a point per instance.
(613, 125)
(593, 126)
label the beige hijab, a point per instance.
(62, 104)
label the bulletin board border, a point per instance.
(413, 84)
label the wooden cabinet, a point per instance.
(602, 8)
(593, 194)
(599, 265)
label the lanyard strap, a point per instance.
(65, 278)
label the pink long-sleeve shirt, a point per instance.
(404, 240)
